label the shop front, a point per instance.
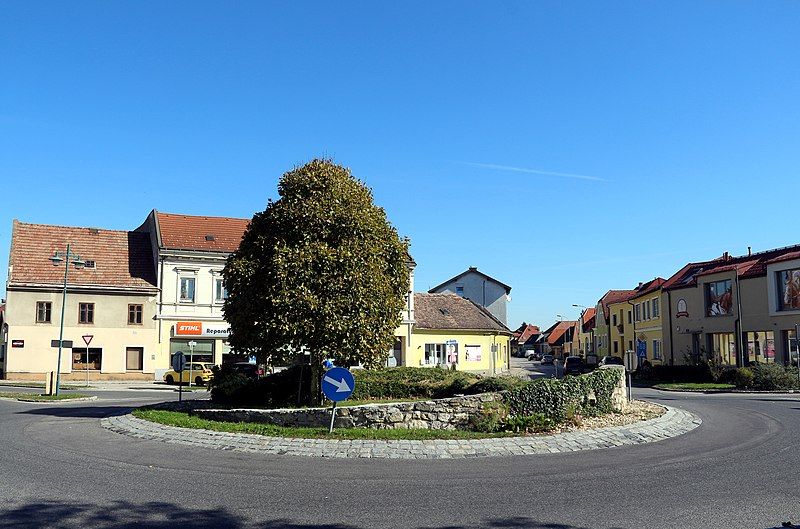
(203, 342)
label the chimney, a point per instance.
(726, 256)
(749, 251)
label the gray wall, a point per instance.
(482, 291)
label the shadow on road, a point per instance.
(163, 515)
(95, 412)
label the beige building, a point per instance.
(190, 252)
(735, 310)
(111, 301)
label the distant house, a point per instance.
(525, 339)
(586, 331)
(480, 288)
(562, 338)
(457, 333)
(605, 320)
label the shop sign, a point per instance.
(198, 328)
(17, 343)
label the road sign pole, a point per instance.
(797, 346)
(333, 416)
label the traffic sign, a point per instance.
(179, 361)
(338, 384)
(87, 338)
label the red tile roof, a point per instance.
(525, 332)
(122, 258)
(750, 265)
(189, 232)
(615, 296)
(560, 330)
(588, 314)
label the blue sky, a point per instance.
(565, 148)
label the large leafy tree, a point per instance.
(319, 270)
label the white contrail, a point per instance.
(534, 171)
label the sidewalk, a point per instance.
(673, 423)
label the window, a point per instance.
(789, 289)
(791, 341)
(646, 310)
(80, 361)
(89, 264)
(134, 358)
(614, 319)
(630, 316)
(460, 290)
(220, 292)
(656, 307)
(638, 312)
(134, 314)
(187, 290)
(761, 346)
(656, 349)
(44, 311)
(616, 347)
(630, 345)
(719, 298)
(723, 346)
(85, 312)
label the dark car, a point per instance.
(573, 365)
(612, 361)
(247, 369)
(548, 359)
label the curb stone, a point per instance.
(673, 423)
(61, 401)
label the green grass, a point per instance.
(184, 420)
(33, 397)
(694, 386)
(40, 385)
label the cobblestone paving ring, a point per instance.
(671, 424)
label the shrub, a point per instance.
(770, 377)
(559, 399)
(743, 378)
(229, 388)
(410, 382)
(682, 373)
(493, 384)
(491, 418)
(529, 423)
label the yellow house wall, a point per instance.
(621, 310)
(650, 329)
(489, 363)
(110, 331)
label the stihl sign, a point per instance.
(198, 328)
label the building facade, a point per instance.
(648, 328)
(455, 333)
(111, 298)
(481, 289)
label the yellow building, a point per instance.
(647, 325)
(620, 326)
(454, 333)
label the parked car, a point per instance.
(198, 372)
(533, 355)
(247, 369)
(548, 359)
(573, 365)
(612, 361)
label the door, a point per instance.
(134, 358)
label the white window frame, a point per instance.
(220, 300)
(656, 307)
(657, 350)
(193, 278)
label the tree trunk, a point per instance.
(315, 397)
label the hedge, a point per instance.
(280, 389)
(561, 399)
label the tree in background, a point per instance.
(319, 270)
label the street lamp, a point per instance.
(57, 258)
(192, 344)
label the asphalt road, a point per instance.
(59, 468)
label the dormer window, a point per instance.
(89, 264)
(210, 238)
(444, 312)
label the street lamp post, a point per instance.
(191, 345)
(57, 258)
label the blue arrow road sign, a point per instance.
(338, 384)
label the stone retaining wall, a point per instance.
(440, 414)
